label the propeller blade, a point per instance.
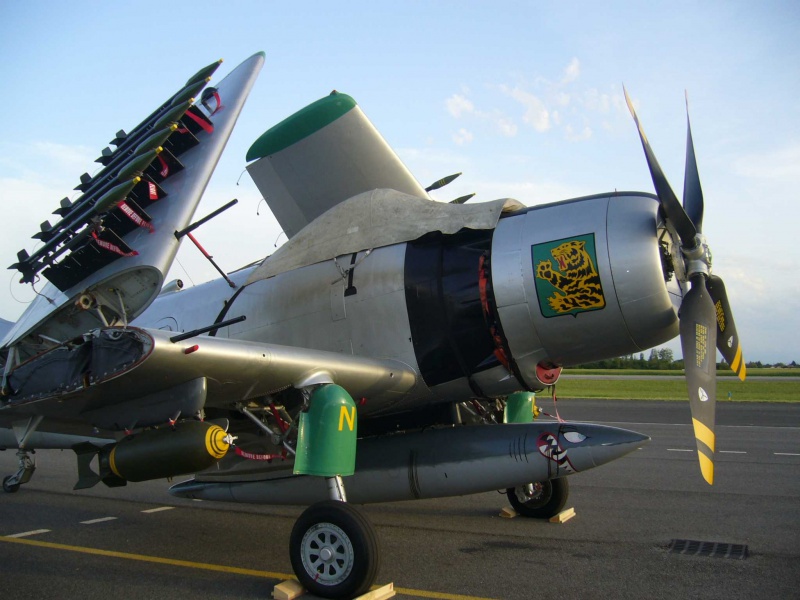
(669, 202)
(698, 337)
(442, 182)
(727, 339)
(692, 191)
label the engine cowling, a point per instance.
(581, 280)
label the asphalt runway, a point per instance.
(139, 542)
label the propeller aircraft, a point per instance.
(390, 349)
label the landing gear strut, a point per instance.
(27, 466)
(23, 430)
(333, 547)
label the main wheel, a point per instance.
(9, 488)
(334, 550)
(541, 499)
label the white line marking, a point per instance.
(687, 425)
(732, 452)
(103, 520)
(786, 454)
(679, 450)
(159, 509)
(27, 533)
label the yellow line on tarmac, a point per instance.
(152, 559)
(438, 595)
(208, 566)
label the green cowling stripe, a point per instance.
(301, 124)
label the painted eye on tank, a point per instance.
(574, 437)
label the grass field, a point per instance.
(773, 390)
(763, 372)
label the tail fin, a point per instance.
(86, 476)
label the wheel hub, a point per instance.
(532, 491)
(327, 553)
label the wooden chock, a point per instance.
(508, 513)
(291, 589)
(288, 590)
(563, 516)
(381, 593)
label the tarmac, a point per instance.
(139, 542)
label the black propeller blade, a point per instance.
(706, 320)
(692, 192)
(727, 338)
(698, 337)
(669, 202)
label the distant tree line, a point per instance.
(661, 360)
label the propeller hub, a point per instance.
(698, 258)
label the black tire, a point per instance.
(547, 501)
(11, 489)
(350, 543)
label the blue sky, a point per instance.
(524, 97)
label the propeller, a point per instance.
(706, 320)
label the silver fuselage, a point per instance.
(419, 302)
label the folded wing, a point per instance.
(107, 256)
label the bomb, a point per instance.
(190, 447)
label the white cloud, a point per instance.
(462, 136)
(46, 163)
(782, 164)
(577, 136)
(572, 72)
(31, 205)
(595, 100)
(73, 158)
(528, 192)
(536, 114)
(562, 99)
(547, 105)
(458, 105)
(506, 126)
(418, 157)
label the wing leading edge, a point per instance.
(120, 378)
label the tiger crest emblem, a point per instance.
(567, 281)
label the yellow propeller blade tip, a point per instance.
(704, 434)
(707, 468)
